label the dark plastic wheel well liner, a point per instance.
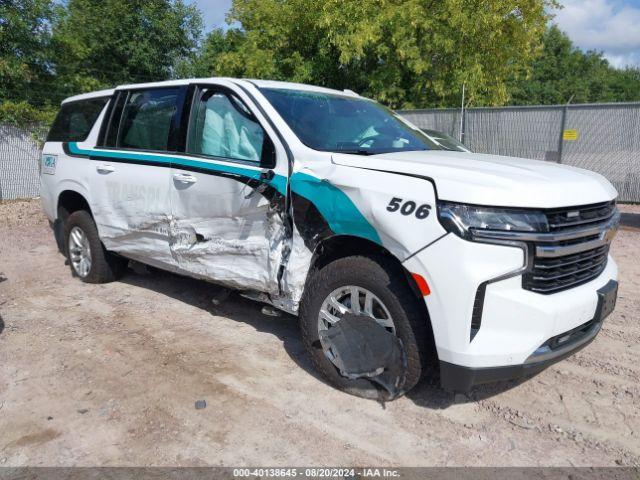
(340, 246)
(70, 201)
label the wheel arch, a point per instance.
(340, 246)
(70, 201)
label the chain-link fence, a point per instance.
(19, 159)
(604, 138)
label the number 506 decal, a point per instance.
(408, 207)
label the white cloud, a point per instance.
(624, 59)
(611, 26)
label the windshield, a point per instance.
(339, 123)
(446, 141)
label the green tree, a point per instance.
(24, 48)
(563, 72)
(101, 43)
(216, 43)
(406, 53)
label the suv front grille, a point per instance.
(550, 275)
(573, 251)
(567, 218)
(578, 251)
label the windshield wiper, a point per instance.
(356, 151)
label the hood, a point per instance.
(491, 179)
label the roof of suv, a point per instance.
(169, 83)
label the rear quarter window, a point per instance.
(75, 120)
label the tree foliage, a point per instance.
(402, 52)
(562, 72)
(405, 53)
(23, 114)
(102, 43)
(24, 48)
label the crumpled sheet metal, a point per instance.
(210, 249)
(364, 349)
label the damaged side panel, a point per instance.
(133, 216)
(222, 230)
(225, 224)
(331, 199)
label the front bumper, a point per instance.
(458, 378)
(514, 322)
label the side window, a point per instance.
(223, 126)
(146, 119)
(75, 120)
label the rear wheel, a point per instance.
(375, 287)
(88, 258)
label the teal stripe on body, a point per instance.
(278, 181)
(334, 205)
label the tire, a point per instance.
(386, 280)
(105, 266)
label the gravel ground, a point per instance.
(109, 375)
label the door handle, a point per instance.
(105, 168)
(184, 178)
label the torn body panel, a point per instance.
(330, 200)
(227, 224)
(361, 348)
(240, 252)
(228, 229)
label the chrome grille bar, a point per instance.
(580, 222)
(563, 275)
(551, 251)
(596, 253)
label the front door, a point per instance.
(227, 194)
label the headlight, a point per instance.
(462, 219)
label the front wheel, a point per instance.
(375, 287)
(88, 259)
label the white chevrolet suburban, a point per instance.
(395, 252)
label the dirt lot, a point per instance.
(108, 375)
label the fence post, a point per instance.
(464, 127)
(461, 133)
(562, 125)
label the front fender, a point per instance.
(358, 202)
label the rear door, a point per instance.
(132, 173)
(228, 193)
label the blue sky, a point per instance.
(213, 11)
(612, 26)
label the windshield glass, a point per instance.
(339, 123)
